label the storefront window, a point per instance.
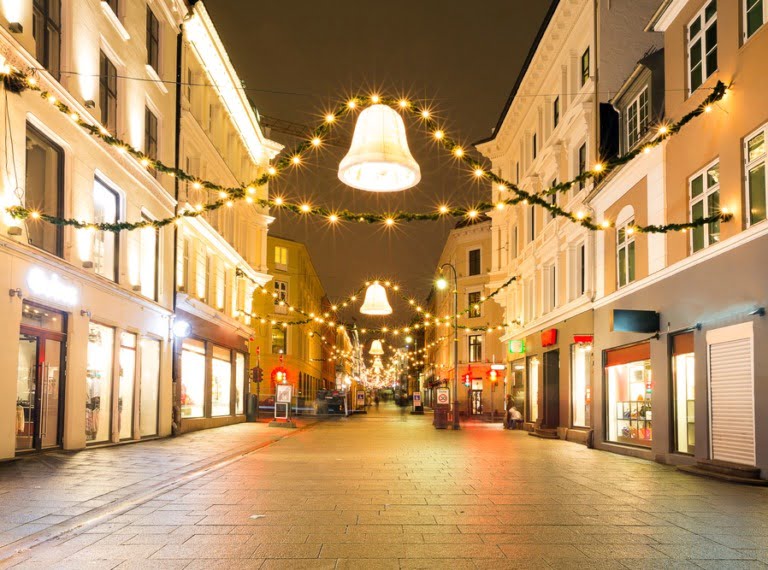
(239, 382)
(221, 386)
(581, 389)
(192, 379)
(684, 391)
(127, 384)
(150, 383)
(630, 388)
(98, 403)
(533, 389)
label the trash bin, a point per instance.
(441, 418)
(251, 412)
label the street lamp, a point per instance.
(442, 284)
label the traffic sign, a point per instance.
(443, 396)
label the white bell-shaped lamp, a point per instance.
(376, 348)
(376, 302)
(379, 159)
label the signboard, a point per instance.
(443, 396)
(549, 337)
(477, 384)
(361, 399)
(498, 367)
(583, 338)
(284, 393)
(50, 286)
(416, 399)
(635, 321)
(517, 346)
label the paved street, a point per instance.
(384, 490)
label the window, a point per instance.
(517, 173)
(755, 154)
(193, 365)
(704, 190)
(239, 382)
(474, 262)
(628, 402)
(281, 256)
(556, 112)
(44, 190)
(201, 272)
(702, 46)
(149, 386)
(585, 68)
(475, 348)
(531, 223)
(534, 146)
(279, 340)
(637, 119)
(150, 258)
(581, 270)
(684, 391)
(581, 390)
(46, 30)
(98, 382)
(150, 135)
(755, 15)
(221, 382)
(553, 198)
(552, 287)
(515, 242)
(108, 93)
(281, 288)
(106, 209)
(473, 303)
(126, 383)
(153, 40)
(625, 253)
(582, 163)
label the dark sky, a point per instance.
(299, 57)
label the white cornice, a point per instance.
(572, 309)
(666, 14)
(203, 311)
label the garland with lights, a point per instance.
(16, 81)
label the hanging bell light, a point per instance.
(379, 159)
(376, 302)
(376, 348)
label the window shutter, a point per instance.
(732, 401)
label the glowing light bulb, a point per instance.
(296, 159)
(500, 206)
(278, 201)
(403, 103)
(34, 214)
(230, 203)
(599, 167)
(316, 141)
(580, 215)
(663, 130)
(223, 194)
(249, 200)
(271, 170)
(443, 209)
(333, 218)
(31, 81)
(196, 185)
(251, 190)
(145, 162)
(458, 152)
(305, 208)
(472, 214)
(425, 114)
(389, 222)
(375, 99)
(330, 117)
(439, 135)
(352, 104)
(502, 188)
(74, 116)
(606, 224)
(479, 172)
(708, 109)
(51, 99)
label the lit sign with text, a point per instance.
(51, 287)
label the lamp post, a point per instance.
(442, 284)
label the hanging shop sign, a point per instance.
(517, 346)
(50, 286)
(549, 337)
(583, 338)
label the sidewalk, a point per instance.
(44, 495)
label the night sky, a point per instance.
(297, 58)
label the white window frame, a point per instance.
(470, 305)
(700, 37)
(281, 288)
(470, 344)
(745, 11)
(703, 198)
(629, 238)
(155, 232)
(110, 189)
(753, 164)
(637, 124)
(578, 273)
(551, 287)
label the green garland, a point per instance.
(17, 82)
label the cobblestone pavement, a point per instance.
(388, 491)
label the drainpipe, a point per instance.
(176, 405)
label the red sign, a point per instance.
(549, 337)
(583, 338)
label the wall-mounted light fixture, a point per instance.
(85, 313)
(16, 27)
(759, 312)
(89, 104)
(15, 293)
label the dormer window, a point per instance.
(637, 119)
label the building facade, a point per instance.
(221, 256)
(692, 391)
(557, 124)
(481, 392)
(87, 357)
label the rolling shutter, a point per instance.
(732, 399)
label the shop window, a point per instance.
(475, 345)
(628, 401)
(581, 386)
(585, 67)
(106, 209)
(281, 257)
(755, 15)
(153, 40)
(46, 30)
(44, 190)
(149, 386)
(221, 382)
(704, 188)
(98, 383)
(533, 389)
(239, 382)
(127, 383)
(754, 150)
(149, 259)
(279, 340)
(638, 117)
(625, 253)
(108, 93)
(702, 46)
(474, 262)
(684, 390)
(193, 367)
(473, 303)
